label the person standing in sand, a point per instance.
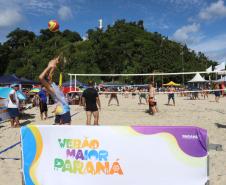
(62, 110)
(205, 92)
(217, 92)
(113, 95)
(43, 103)
(142, 95)
(151, 100)
(90, 100)
(171, 91)
(13, 106)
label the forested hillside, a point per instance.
(125, 47)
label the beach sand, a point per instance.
(200, 113)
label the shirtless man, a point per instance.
(113, 96)
(152, 101)
(171, 91)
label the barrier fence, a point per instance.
(3, 110)
(125, 155)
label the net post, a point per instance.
(70, 82)
(208, 162)
(75, 82)
(21, 165)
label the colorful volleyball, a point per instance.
(53, 25)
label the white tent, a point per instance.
(197, 78)
(220, 67)
(223, 79)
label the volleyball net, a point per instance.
(183, 82)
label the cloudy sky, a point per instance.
(201, 24)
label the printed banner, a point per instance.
(3, 110)
(110, 155)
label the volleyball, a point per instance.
(53, 25)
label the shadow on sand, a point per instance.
(220, 125)
(25, 123)
(25, 116)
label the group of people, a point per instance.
(90, 99)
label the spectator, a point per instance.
(13, 106)
(43, 103)
(90, 100)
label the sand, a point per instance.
(200, 113)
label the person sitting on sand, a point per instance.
(62, 110)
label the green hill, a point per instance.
(125, 47)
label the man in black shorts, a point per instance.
(43, 103)
(90, 100)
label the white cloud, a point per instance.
(65, 13)
(188, 33)
(215, 10)
(183, 2)
(213, 44)
(218, 56)
(10, 17)
(181, 5)
(43, 6)
(215, 47)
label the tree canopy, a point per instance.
(125, 47)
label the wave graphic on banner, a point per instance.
(185, 137)
(179, 140)
(34, 148)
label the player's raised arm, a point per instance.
(46, 76)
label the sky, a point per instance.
(200, 24)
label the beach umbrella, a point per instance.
(4, 93)
(35, 90)
(171, 83)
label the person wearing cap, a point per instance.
(13, 106)
(62, 110)
(90, 100)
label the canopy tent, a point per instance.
(223, 79)
(4, 93)
(26, 81)
(197, 78)
(10, 79)
(78, 83)
(171, 83)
